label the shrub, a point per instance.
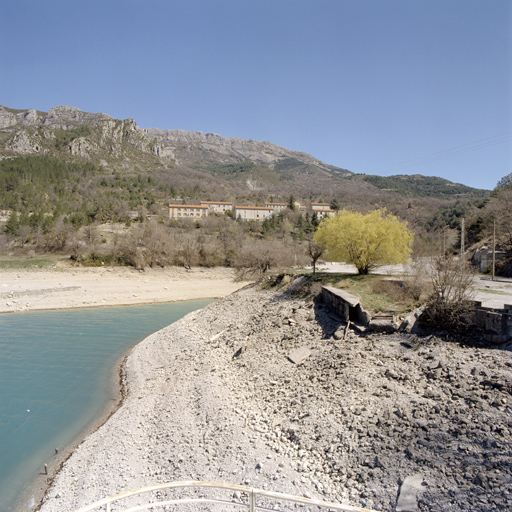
(418, 282)
(453, 290)
(261, 256)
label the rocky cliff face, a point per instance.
(62, 117)
(68, 131)
(66, 118)
(27, 117)
(184, 144)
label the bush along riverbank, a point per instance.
(256, 389)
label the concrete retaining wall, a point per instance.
(497, 322)
(345, 305)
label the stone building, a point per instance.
(194, 211)
(252, 212)
(322, 210)
(217, 206)
(315, 207)
(277, 207)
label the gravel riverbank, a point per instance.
(215, 397)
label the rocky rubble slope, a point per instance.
(216, 397)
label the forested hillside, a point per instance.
(90, 185)
(424, 186)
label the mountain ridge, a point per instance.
(68, 133)
(29, 137)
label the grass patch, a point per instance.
(496, 292)
(30, 262)
(374, 297)
(378, 294)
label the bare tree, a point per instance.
(91, 235)
(186, 251)
(148, 244)
(315, 252)
(453, 290)
(59, 236)
(260, 256)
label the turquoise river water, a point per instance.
(55, 379)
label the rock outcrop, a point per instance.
(25, 143)
(83, 135)
(65, 117)
(7, 119)
(113, 138)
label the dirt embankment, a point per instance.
(216, 397)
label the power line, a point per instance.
(446, 153)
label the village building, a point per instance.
(322, 210)
(180, 211)
(252, 212)
(325, 213)
(218, 206)
(277, 207)
(315, 207)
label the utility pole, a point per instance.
(493, 248)
(462, 247)
(444, 244)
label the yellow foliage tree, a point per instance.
(366, 240)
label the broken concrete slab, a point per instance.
(346, 305)
(412, 487)
(299, 355)
(359, 328)
(384, 324)
(351, 300)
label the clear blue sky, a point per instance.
(374, 86)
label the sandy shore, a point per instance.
(67, 288)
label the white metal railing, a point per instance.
(105, 503)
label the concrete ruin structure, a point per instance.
(483, 258)
(348, 307)
(497, 323)
(345, 305)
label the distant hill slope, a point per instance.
(175, 164)
(417, 185)
(208, 151)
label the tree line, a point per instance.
(99, 216)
